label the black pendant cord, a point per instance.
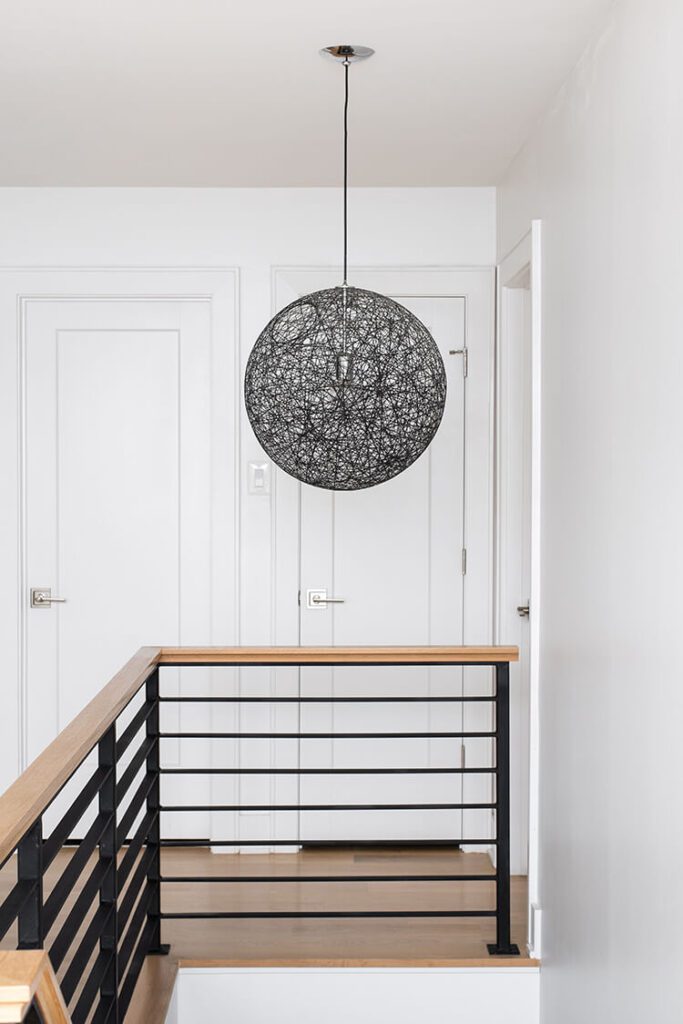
(346, 163)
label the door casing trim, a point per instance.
(526, 255)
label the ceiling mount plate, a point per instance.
(346, 53)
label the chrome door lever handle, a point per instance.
(318, 599)
(41, 597)
(523, 611)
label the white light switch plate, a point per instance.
(259, 478)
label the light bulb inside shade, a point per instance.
(344, 368)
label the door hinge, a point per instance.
(298, 598)
(465, 358)
(464, 561)
(463, 756)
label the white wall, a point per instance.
(253, 230)
(367, 995)
(604, 171)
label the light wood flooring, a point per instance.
(351, 939)
(338, 942)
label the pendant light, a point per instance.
(345, 388)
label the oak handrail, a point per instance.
(33, 791)
(27, 976)
(27, 798)
(427, 655)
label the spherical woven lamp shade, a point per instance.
(345, 388)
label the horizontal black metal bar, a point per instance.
(69, 930)
(128, 942)
(133, 727)
(329, 771)
(133, 767)
(81, 955)
(13, 903)
(328, 700)
(134, 847)
(451, 843)
(327, 807)
(289, 879)
(136, 802)
(324, 735)
(91, 987)
(136, 884)
(62, 831)
(130, 980)
(272, 914)
(67, 880)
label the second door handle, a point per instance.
(317, 599)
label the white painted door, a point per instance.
(395, 556)
(118, 491)
(394, 553)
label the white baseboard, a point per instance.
(535, 930)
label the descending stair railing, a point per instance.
(89, 887)
(93, 904)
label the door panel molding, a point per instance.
(21, 290)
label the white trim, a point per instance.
(526, 255)
(362, 971)
(535, 596)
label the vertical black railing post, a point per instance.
(153, 804)
(109, 889)
(503, 946)
(30, 871)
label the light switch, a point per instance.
(259, 478)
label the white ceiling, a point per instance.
(220, 92)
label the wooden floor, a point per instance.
(335, 942)
(379, 940)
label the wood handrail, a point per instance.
(431, 655)
(26, 975)
(27, 798)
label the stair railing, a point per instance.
(102, 914)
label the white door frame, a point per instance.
(21, 286)
(525, 256)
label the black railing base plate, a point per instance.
(163, 950)
(511, 950)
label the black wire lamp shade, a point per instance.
(345, 388)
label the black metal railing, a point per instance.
(98, 908)
(95, 907)
(498, 769)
